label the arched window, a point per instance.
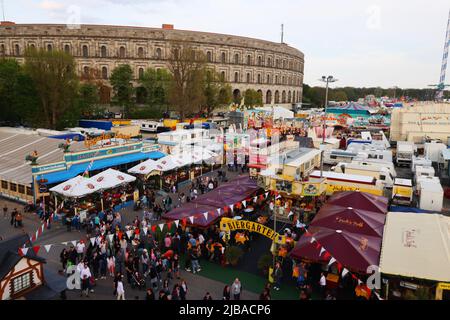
(141, 73)
(176, 53)
(2, 49)
(236, 58)
(269, 62)
(224, 57)
(293, 97)
(268, 79)
(259, 61)
(140, 52)
(277, 64)
(283, 97)
(67, 49)
(17, 50)
(158, 53)
(85, 51)
(104, 73)
(86, 71)
(277, 97)
(284, 64)
(269, 97)
(248, 77)
(122, 52)
(283, 81)
(236, 77)
(103, 52)
(222, 76)
(289, 97)
(49, 47)
(249, 60)
(209, 56)
(259, 78)
(276, 79)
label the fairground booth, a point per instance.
(415, 256)
(175, 169)
(80, 196)
(344, 239)
(208, 208)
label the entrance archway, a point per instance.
(105, 95)
(269, 97)
(237, 96)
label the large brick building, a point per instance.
(274, 69)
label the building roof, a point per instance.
(416, 246)
(15, 145)
(9, 253)
(295, 158)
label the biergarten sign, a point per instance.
(227, 224)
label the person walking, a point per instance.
(183, 290)
(226, 293)
(236, 288)
(277, 275)
(18, 221)
(5, 212)
(120, 290)
(322, 284)
(13, 217)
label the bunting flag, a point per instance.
(23, 251)
(255, 199)
(231, 207)
(110, 237)
(169, 226)
(47, 247)
(322, 250)
(161, 226)
(332, 260)
(205, 214)
(184, 222)
(65, 243)
(326, 255)
(145, 229)
(154, 228)
(344, 272)
(129, 234)
(177, 222)
(266, 194)
(191, 219)
(36, 249)
(244, 203)
(218, 211)
(92, 241)
(74, 243)
(312, 239)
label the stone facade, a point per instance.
(275, 69)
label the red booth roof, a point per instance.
(360, 200)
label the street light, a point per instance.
(327, 80)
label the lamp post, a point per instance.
(327, 80)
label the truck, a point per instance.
(405, 153)
(431, 196)
(402, 192)
(336, 182)
(385, 174)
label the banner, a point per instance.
(227, 224)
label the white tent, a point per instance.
(168, 163)
(278, 112)
(145, 167)
(416, 246)
(77, 187)
(111, 178)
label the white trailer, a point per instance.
(424, 172)
(431, 196)
(433, 150)
(405, 153)
(335, 156)
(420, 161)
(384, 174)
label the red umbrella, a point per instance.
(350, 219)
(354, 251)
(360, 200)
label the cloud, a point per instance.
(51, 5)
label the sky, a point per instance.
(362, 43)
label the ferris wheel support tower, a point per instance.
(441, 86)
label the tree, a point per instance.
(89, 98)
(156, 84)
(217, 92)
(54, 77)
(338, 95)
(252, 98)
(121, 81)
(186, 92)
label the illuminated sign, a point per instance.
(227, 224)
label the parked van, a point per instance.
(383, 174)
(336, 182)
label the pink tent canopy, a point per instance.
(360, 200)
(354, 251)
(350, 219)
(227, 194)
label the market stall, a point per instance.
(415, 257)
